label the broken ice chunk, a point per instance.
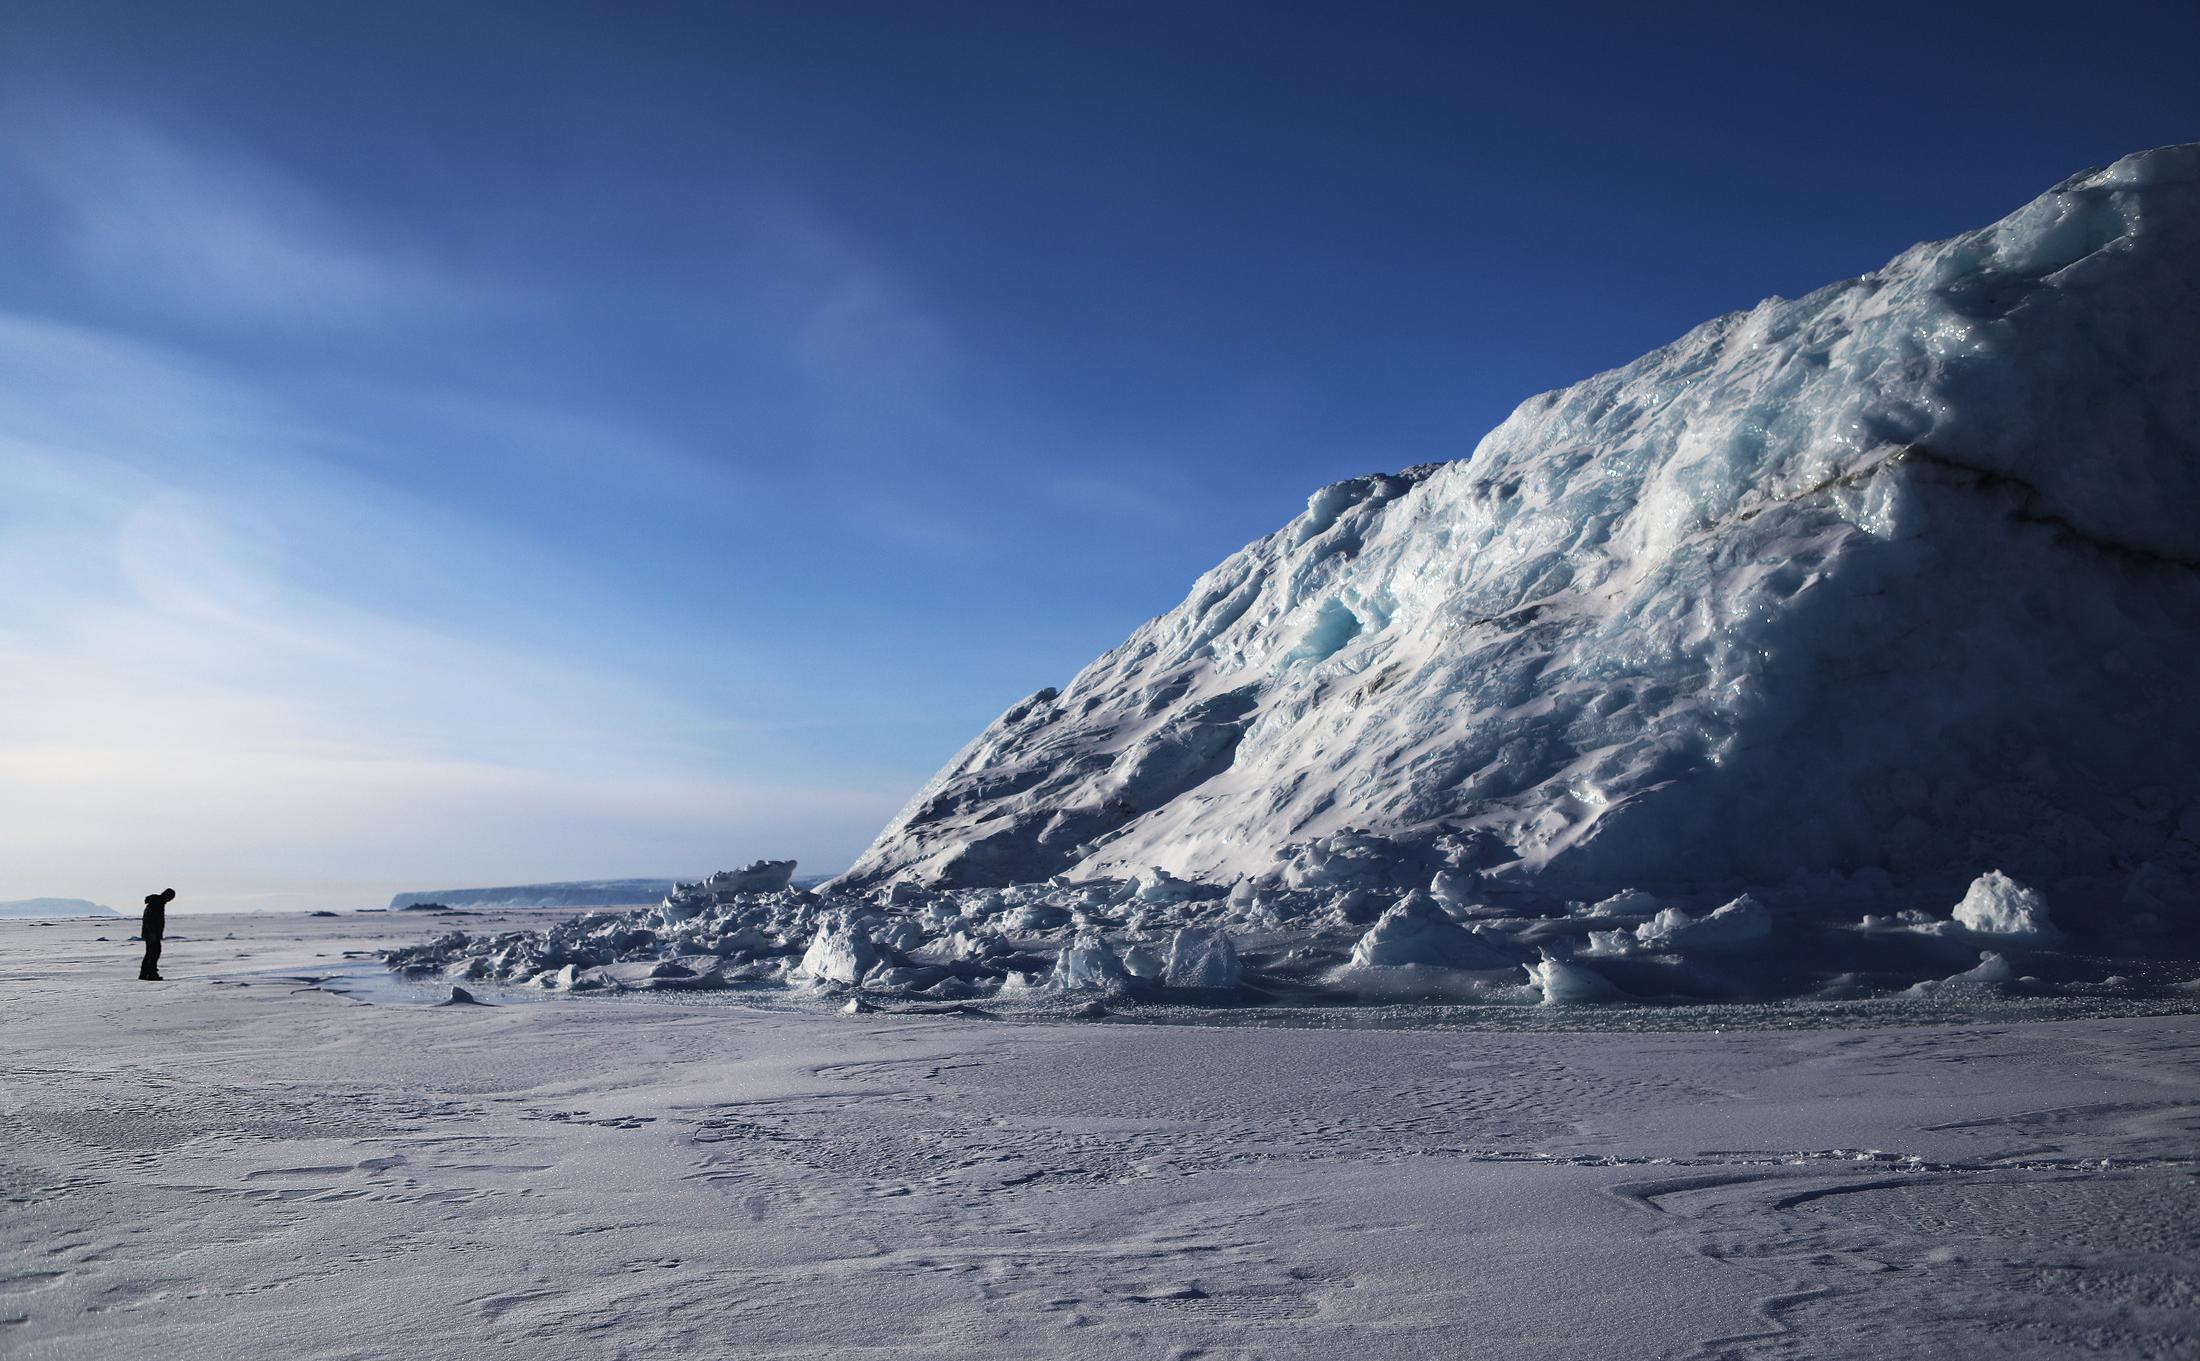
(1415, 931)
(1564, 981)
(1087, 963)
(1202, 957)
(840, 952)
(1997, 905)
(1157, 885)
(759, 876)
(1736, 926)
(1628, 902)
(1143, 961)
(1990, 970)
(1454, 891)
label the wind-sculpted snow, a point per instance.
(252, 1151)
(1874, 589)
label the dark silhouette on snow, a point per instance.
(156, 925)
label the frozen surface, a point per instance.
(1892, 584)
(240, 1163)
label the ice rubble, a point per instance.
(840, 952)
(1562, 981)
(1997, 905)
(1202, 957)
(1088, 964)
(1072, 941)
(1414, 931)
(1896, 578)
(1739, 925)
(1718, 675)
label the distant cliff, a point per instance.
(56, 907)
(581, 893)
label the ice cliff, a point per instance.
(583, 893)
(1896, 580)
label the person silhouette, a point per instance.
(156, 925)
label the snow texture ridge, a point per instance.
(1896, 579)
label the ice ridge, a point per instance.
(1895, 579)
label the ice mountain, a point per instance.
(1903, 576)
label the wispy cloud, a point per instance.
(880, 373)
(150, 213)
(219, 660)
(880, 362)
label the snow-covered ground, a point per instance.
(239, 1163)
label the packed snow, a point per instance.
(247, 1160)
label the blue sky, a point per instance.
(468, 444)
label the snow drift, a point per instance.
(1897, 579)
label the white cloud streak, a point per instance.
(227, 656)
(136, 212)
(179, 699)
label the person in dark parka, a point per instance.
(156, 925)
